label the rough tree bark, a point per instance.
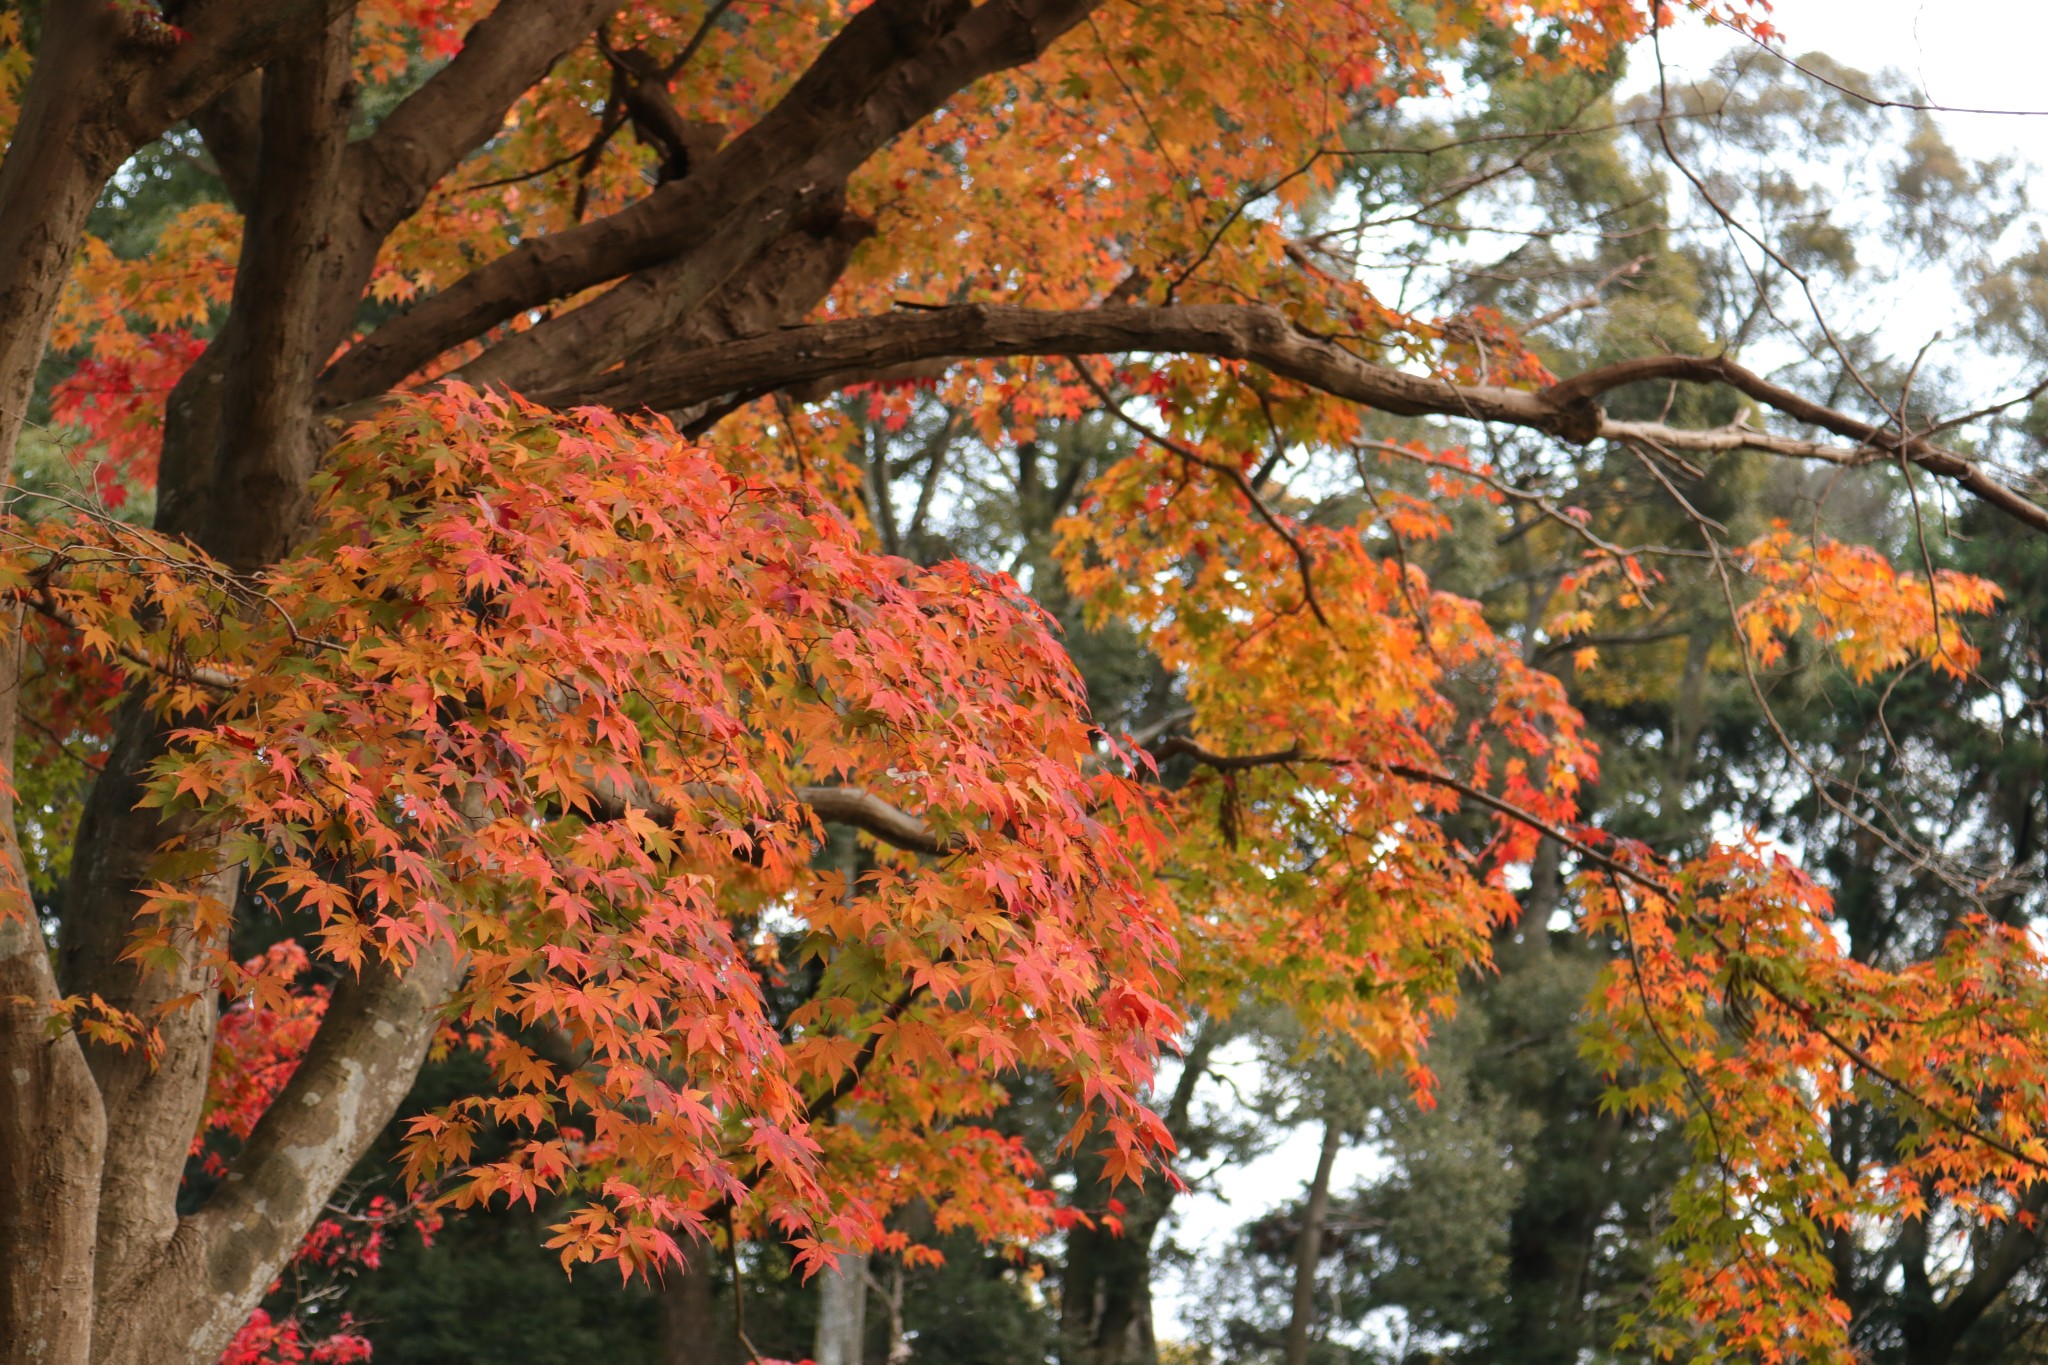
(99, 91)
(52, 1125)
(860, 348)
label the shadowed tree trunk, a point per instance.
(1106, 1281)
(689, 1317)
(52, 1126)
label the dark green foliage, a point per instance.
(1510, 1222)
(488, 1292)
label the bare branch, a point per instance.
(1871, 437)
(853, 807)
(1591, 298)
(1651, 881)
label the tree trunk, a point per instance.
(842, 1311)
(1308, 1249)
(48, 187)
(152, 1103)
(1106, 1292)
(1106, 1283)
(52, 1125)
(896, 1349)
(689, 1319)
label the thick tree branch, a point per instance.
(459, 109)
(529, 275)
(463, 105)
(237, 496)
(864, 811)
(934, 58)
(360, 1066)
(52, 1131)
(676, 218)
(738, 372)
(778, 288)
(891, 65)
(231, 125)
(854, 807)
(224, 41)
(744, 370)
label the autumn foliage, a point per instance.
(569, 694)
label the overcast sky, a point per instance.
(1978, 53)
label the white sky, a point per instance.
(1978, 53)
(1981, 53)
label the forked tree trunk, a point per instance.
(896, 1345)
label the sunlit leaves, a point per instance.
(1321, 875)
(1734, 1008)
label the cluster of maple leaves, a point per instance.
(556, 693)
(542, 693)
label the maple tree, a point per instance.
(505, 623)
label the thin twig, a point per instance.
(1231, 472)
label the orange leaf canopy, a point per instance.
(566, 694)
(546, 691)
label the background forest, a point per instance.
(1517, 1219)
